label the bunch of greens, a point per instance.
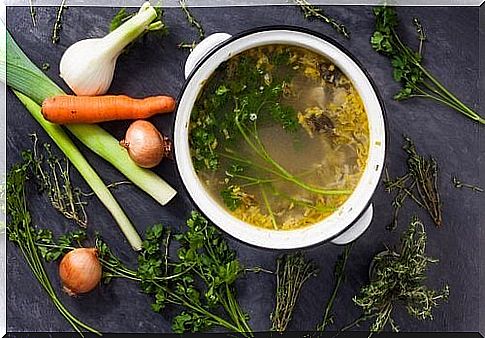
(408, 67)
(312, 12)
(339, 273)
(398, 277)
(292, 271)
(420, 183)
(201, 281)
(21, 232)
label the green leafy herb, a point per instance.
(398, 277)
(312, 12)
(232, 114)
(408, 67)
(201, 280)
(292, 271)
(420, 183)
(21, 232)
(58, 24)
(46, 66)
(192, 20)
(53, 177)
(339, 273)
(459, 184)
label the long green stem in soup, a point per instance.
(279, 135)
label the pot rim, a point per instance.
(292, 29)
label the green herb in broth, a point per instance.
(280, 136)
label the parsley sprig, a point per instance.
(408, 66)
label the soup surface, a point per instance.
(279, 136)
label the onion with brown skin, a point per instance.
(80, 271)
(145, 144)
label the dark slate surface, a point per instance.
(157, 67)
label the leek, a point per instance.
(33, 86)
(25, 77)
(79, 161)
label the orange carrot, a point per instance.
(65, 109)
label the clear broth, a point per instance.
(279, 168)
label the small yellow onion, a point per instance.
(80, 271)
(145, 144)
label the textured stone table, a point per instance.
(156, 66)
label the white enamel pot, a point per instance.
(355, 215)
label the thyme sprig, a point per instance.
(58, 23)
(420, 183)
(192, 19)
(398, 277)
(292, 271)
(459, 184)
(52, 175)
(339, 273)
(312, 12)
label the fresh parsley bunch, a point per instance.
(408, 67)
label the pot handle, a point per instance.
(202, 48)
(356, 230)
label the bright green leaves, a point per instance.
(240, 88)
(408, 66)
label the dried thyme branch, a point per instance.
(420, 183)
(33, 14)
(52, 176)
(459, 184)
(192, 20)
(58, 24)
(340, 278)
(398, 277)
(292, 271)
(312, 12)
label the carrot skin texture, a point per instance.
(68, 109)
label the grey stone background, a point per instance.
(156, 66)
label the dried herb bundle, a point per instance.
(420, 183)
(292, 271)
(52, 176)
(312, 12)
(398, 277)
(339, 273)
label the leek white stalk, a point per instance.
(88, 65)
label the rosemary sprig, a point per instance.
(312, 12)
(420, 183)
(398, 277)
(192, 19)
(339, 273)
(292, 271)
(52, 176)
(459, 184)
(58, 24)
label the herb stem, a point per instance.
(268, 207)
